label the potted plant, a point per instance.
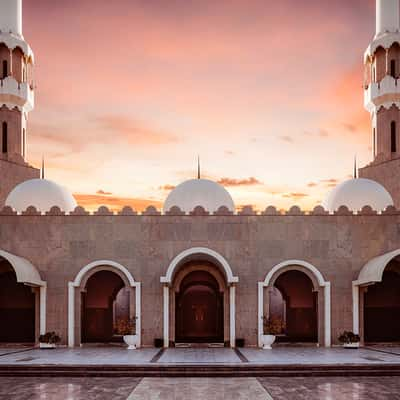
(272, 327)
(49, 340)
(127, 328)
(349, 340)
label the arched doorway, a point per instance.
(199, 309)
(300, 308)
(382, 305)
(17, 308)
(101, 293)
(197, 280)
(99, 311)
(296, 293)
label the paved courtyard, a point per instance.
(116, 388)
(224, 356)
(361, 388)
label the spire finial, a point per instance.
(198, 167)
(42, 171)
(355, 166)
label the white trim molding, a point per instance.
(79, 279)
(199, 251)
(281, 267)
(204, 254)
(28, 274)
(370, 273)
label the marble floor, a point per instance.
(199, 388)
(276, 356)
(352, 388)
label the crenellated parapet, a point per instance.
(270, 211)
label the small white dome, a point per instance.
(357, 193)
(199, 192)
(42, 194)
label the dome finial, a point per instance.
(42, 170)
(198, 168)
(355, 166)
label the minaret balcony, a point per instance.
(12, 42)
(16, 94)
(383, 93)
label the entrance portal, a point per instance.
(102, 303)
(299, 308)
(382, 307)
(199, 309)
(17, 308)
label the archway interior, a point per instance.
(17, 308)
(294, 307)
(104, 302)
(382, 307)
(199, 309)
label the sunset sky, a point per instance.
(268, 93)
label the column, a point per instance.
(327, 312)
(166, 316)
(260, 311)
(138, 313)
(10, 69)
(71, 314)
(356, 308)
(387, 61)
(232, 312)
(42, 312)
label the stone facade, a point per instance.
(11, 174)
(337, 245)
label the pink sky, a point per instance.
(130, 91)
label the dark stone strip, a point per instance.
(382, 351)
(242, 357)
(157, 356)
(16, 351)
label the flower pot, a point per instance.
(354, 345)
(239, 342)
(158, 342)
(132, 341)
(47, 345)
(267, 341)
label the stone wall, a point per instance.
(387, 173)
(11, 174)
(337, 245)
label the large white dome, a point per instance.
(357, 193)
(199, 192)
(42, 194)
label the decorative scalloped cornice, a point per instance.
(270, 211)
(13, 42)
(386, 41)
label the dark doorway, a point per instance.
(301, 308)
(199, 310)
(382, 310)
(17, 308)
(98, 307)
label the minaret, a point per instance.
(381, 81)
(16, 98)
(16, 82)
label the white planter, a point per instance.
(47, 345)
(355, 345)
(132, 341)
(267, 341)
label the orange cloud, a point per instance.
(133, 131)
(229, 182)
(92, 202)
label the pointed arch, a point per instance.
(80, 281)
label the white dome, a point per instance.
(357, 193)
(42, 194)
(199, 192)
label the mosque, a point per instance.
(199, 271)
